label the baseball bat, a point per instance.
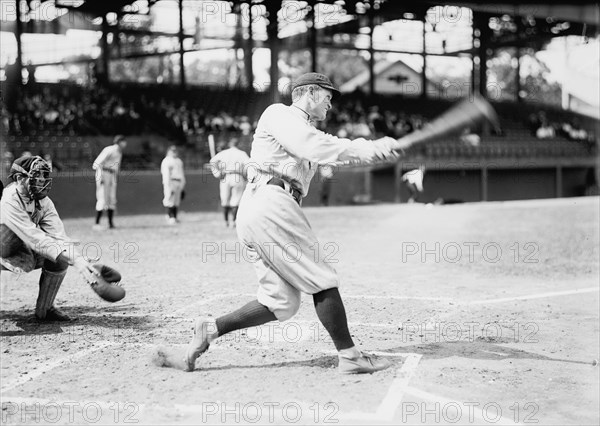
(211, 146)
(466, 113)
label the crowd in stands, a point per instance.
(89, 112)
(351, 119)
(543, 128)
(120, 110)
(101, 111)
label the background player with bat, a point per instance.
(286, 151)
(229, 166)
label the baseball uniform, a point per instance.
(173, 180)
(288, 147)
(33, 236)
(107, 166)
(289, 261)
(228, 165)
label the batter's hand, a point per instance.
(385, 149)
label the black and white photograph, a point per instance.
(284, 212)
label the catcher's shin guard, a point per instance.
(50, 283)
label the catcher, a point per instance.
(33, 236)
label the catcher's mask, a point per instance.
(37, 171)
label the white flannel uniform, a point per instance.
(414, 177)
(173, 180)
(41, 229)
(107, 166)
(289, 259)
(228, 166)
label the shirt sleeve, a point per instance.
(301, 139)
(99, 161)
(18, 221)
(165, 171)
(215, 165)
(307, 142)
(183, 182)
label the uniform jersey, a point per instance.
(107, 166)
(414, 177)
(229, 164)
(109, 160)
(287, 145)
(171, 168)
(41, 229)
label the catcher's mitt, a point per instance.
(107, 283)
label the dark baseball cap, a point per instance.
(314, 78)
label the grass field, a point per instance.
(489, 312)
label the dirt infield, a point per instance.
(489, 312)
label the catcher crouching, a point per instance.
(32, 236)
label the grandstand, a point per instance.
(72, 121)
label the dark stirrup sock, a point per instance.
(226, 213)
(249, 315)
(98, 216)
(110, 217)
(332, 314)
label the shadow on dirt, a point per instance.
(478, 349)
(102, 317)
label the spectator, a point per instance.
(545, 131)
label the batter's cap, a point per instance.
(314, 78)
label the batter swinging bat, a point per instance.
(461, 116)
(211, 146)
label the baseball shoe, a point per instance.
(363, 364)
(172, 221)
(199, 343)
(54, 314)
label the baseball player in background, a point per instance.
(228, 165)
(173, 180)
(33, 235)
(286, 151)
(107, 166)
(414, 182)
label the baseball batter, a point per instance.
(228, 165)
(33, 235)
(107, 166)
(173, 180)
(286, 151)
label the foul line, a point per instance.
(35, 372)
(536, 296)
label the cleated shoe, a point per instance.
(363, 364)
(199, 343)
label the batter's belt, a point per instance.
(286, 186)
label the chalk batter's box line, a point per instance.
(38, 371)
(385, 412)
